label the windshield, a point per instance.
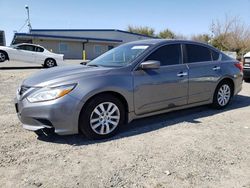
(120, 56)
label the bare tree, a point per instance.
(231, 34)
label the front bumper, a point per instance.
(246, 73)
(61, 114)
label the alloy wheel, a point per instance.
(2, 57)
(224, 95)
(105, 118)
(50, 63)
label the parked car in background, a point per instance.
(30, 53)
(134, 80)
(246, 67)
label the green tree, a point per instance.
(144, 30)
(167, 34)
(201, 38)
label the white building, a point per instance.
(78, 43)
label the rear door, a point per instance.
(204, 72)
(39, 55)
(163, 88)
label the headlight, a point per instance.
(50, 93)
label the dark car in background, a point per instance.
(246, 67)
(134, 80)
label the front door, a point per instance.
(163, 88)
(24, 53)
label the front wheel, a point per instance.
(222, 95)
(49, 63)
(3, 57)
(102, 117)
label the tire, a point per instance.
(222, 95)
(247, 80)
(50, 63)
(101, 117)
(3, 56)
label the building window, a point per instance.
(110, 47)
(63, 47)
(99, 49)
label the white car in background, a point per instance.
(30, 53)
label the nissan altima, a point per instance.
(134, 80)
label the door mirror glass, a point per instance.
(151, 64)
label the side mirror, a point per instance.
(151, 64)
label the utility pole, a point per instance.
(28, 20)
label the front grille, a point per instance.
(247, 65)
(23, 89)
(246, 73)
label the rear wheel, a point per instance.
(222, 95)
(49, 63)
(3, 56)
(102, 117)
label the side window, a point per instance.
(39, 49)
(20, 47)
(215, 55)
(167, 55)
(26, 47)
(196, 53)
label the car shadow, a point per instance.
(20, 68)
(149, 124)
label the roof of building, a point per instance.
(100, 30)
(43, 36)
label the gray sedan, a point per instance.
(134, 80)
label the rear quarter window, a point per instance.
(38, 49)
(224, 57)
(215, 55)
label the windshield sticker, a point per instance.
(139, 47)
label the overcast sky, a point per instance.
(185, 17)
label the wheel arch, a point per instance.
(229, 80)
(112, 93)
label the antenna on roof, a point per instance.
(28, 19)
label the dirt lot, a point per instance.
(199, 147)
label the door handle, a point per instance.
(216, 68)
(181, 74)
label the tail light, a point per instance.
(239, 66)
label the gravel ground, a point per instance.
(198, 147)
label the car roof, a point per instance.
(165, 41)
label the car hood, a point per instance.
(5, 47)
(57, 75)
